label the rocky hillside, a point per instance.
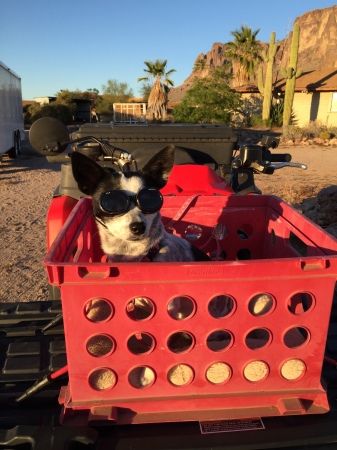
(317, 48)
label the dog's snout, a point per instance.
(138, 228)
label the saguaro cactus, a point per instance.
(267, 89)
(290, 74)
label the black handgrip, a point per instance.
(280, 157)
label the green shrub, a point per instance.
(63, 113)
(313, 130)
(209, 100)
(294, 133)
(255, 121)
(276, 114)
(333, 130)
(325, 135)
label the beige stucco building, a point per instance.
(315, 97)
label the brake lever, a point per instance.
(280, 165)
(266, 166)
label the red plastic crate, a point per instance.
(259, 352)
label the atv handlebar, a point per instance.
(251, 159)
(280, 157)
(51, 138)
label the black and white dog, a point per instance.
(126, 207)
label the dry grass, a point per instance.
(292, 193)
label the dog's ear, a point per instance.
(86, 172)
(160, 166)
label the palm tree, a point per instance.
(244, 52)
(157, 100)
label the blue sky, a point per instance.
(80, 44)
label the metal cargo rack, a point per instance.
(219, 140)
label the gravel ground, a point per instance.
(27, 185)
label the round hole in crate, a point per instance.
(300, 303)
(141, 377)
(293, 369)
(218, 256)
(219, 340)
(296, 337)
(256, 371)
(261, 304)
(221, 306)
(140, 343)
(218, 373)
(98, 310)
(181, 307)
(140, 308)
(243, 254)
(258, 338)
(180, 375)
(193, 232)
(245, 231)
(102, 379)
(100, 345)
(180, 342)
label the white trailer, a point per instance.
(11, 115)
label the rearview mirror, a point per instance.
(49, 136)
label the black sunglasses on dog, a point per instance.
(114, 203)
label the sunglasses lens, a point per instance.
(149, 200)
(114, 202)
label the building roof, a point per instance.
(315, 80)
(247, 89)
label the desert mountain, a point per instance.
(317, 49)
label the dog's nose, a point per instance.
(137, 228)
